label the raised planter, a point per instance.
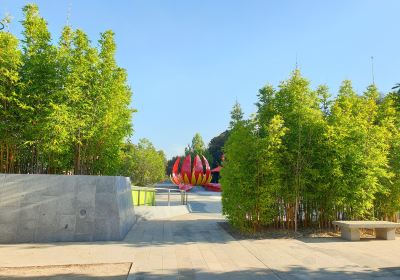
(51, 208)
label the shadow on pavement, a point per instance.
(293, 273)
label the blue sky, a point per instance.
(188, 61)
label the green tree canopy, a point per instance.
(66, 106)
(236, 114)
(12, 106)
(198, 146)
(306, 159)
(143, 163)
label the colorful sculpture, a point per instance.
(190, 177)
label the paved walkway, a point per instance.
(193, 246)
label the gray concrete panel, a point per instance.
(51, 208)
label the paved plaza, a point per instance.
(194, 246)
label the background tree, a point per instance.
(361, 149)
(170, 164)
(323, 96)
(65, 107)
(143, 163)
(38, 87)
(112, 111)
(237, 180)
(215, 148)
(213, 152)
(305, 159)
(249, 190)
(299, 107)
(11, 106)
(236, 114)
(198, 146)
(387, 201)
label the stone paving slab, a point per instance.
(159, 212)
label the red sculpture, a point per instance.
(190, 177)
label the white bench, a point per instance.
(350, 230)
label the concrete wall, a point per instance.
(49, 208)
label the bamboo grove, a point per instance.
(64, 108)
(305, 158)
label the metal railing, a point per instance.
(144, 196)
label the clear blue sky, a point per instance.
(188, 61)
